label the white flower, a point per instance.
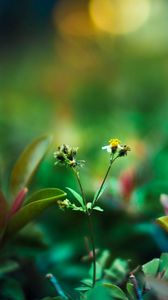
(114, 145)
(108, 148)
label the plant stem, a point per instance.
(136, 287)
(104, 180)
(81, 188)
(57, 286)
(90, 226)
(93, 248)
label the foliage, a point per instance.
(107, 277)
(18, 213)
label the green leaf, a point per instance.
(77, 196)
(104, 258)
(76, 208)
(31, 240)
(27, 164)
(98, 208)
(102, 191)
(131, 291)
(3, 212)
(11, 289)
(115, 291)
(99, 292)
(151, 268)
(163, 222)
(163, 267)
(8, 266)
(118, 270)
(33, 209)
(46, 193)
(87, 282)
(99, 271)
(83, 288)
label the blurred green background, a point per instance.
(87, 71)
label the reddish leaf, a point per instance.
(18, 201)
(27, 164)
(3, 212)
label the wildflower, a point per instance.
(66, 155)
(114, 145)
(123, 151)
(64, 204)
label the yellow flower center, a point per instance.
(114, 143)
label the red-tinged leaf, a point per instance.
(27, 164)
(18, 201)
(3, 212)
(33, 209)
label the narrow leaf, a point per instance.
(44, 194)
(82, 288)
(27, 164)
(87, 282)
(163, 267)
(98, 208)
(18, 201)
(99, 194)
(77, 196)
(131, 291)
(31, 211)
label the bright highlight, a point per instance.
(119, 16)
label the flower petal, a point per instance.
(108, 148)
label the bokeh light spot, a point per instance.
(119, 16)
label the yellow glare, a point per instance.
(119, 16)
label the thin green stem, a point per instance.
(104, 180)
(90, 225)
(81, 188)
(93, 248)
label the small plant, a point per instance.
(67, 156)
(115, 280)
(107, 279)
